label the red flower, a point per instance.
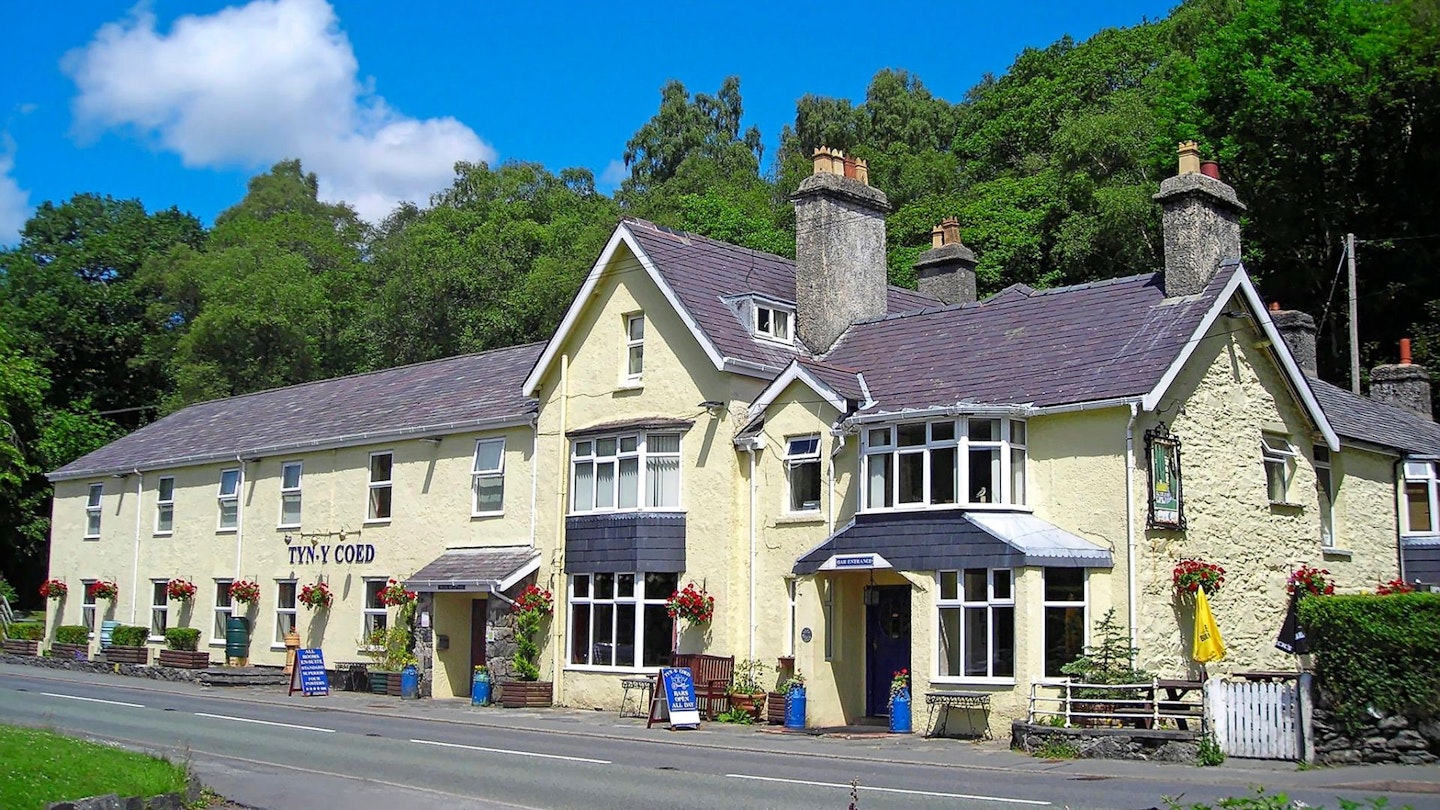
(1396, 585)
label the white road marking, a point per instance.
(511, 751)
(264, 722)
(93, 700)
(891, 790)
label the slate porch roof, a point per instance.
(483, 568)
(440, 396)
(1362, 418)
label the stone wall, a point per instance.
(500, 639)
(1109, 743)
(1387, 738)
(129, 670)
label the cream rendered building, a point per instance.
(865, 478)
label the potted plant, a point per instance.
(373, 646)
(127, 645)
(747, 693)
(54, 589)
(104, 589)
(316, 596)
(532, 607)
(1191, 575)
(24, 638)
(480, 686)
(793, 700)
(182, 649)
(900, 702)
(244, 592)
(1308, 581)
(692, 604)
(180, 590)
(72, 642)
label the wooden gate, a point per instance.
(1257, 720)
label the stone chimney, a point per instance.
(947, 270)
(840, 269)
(1298, 330)
(1201, 217)
(1403, 385)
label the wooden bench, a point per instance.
(712, 675)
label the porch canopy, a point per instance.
(943, 541)
(489, 570)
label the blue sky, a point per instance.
(180, 103)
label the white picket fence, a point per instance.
(1260, 720)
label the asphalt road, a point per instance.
(310, 756)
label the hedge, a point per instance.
(27, 631)
(72, 634)
(185, 639)
(1376, 651)
(129, 636)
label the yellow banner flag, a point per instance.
(1208, 644)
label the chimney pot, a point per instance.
(1274, 306)
(1210, 169)
(1201, 219)
(1405, 351)
(1189, 158)
(937, 236)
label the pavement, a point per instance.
(867, 743)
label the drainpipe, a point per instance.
(135, 566)
(1397, 472)
(751, 451)
(239, 516)
(1130, 516)
(557, 636)
(534, 472)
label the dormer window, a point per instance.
(773, 323)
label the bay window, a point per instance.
(977, 623)
(1420, 490)
(639, 471)
(619, 619)
(944, 463)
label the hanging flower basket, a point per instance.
(1191, 575)
(692, 604)
(244, 591)
(104, 589)
(180, 590)
(54, 589)
(394, 594)
(316, 596)
(1308, 581)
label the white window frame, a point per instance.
(292, 494)
(480, 476)
(640, 598)
(224, 608)
(94, 499)
(634, 360)
(586, 452)
(159, 608)
(373, 612)
(228, 499)
(378, 485)
(1419, 476)
(1279, 456)
(88, 605)
(1083, 604)
(965, 602)
(165, 506)
(880, 446)
(285, 616)
(802, 451)
(1326, 487)
(773, 323)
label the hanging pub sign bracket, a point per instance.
(1162, 461)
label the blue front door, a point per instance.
(887, 644)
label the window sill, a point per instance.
(1287, 505)
(376, 522)
(658, 510)
(164, 534)
(91, 537)
(216, 642)
(1337, 553)
(951, 507)
(287, 527)
(479, 515)
(226, 531)
(607, 670)
(799, 518)
(961, 681)
(629, 385)
(155, 640)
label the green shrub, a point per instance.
(1210, 753)
(186, 639)
(1376, 651)
(1056, 746)
(129, 636)
(72, 634)
(8, 591)
(27, 631)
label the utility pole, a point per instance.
(1354, 325)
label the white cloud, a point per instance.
(14, 201)
(614, 174)
(253, 84)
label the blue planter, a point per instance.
(795, 708)
(900, 713)
(480, 689)
(409, 683)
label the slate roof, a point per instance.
(703, 272)
(1081, 343)
(475, 566)
(1365, 419)
(845, 381)
(435, 397)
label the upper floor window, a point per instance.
(381, 486)
(229, 498)
(634, 345)
(92, 510)
(488, 477)
(1279, 457)
(640, 471)
(1420, 490)
(802, 472)
(165, 506)
(773, 323)
(290, 494)
(1325, 485)
(970, 461)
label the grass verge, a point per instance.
(38, 767)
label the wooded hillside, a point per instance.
(1325, 115)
